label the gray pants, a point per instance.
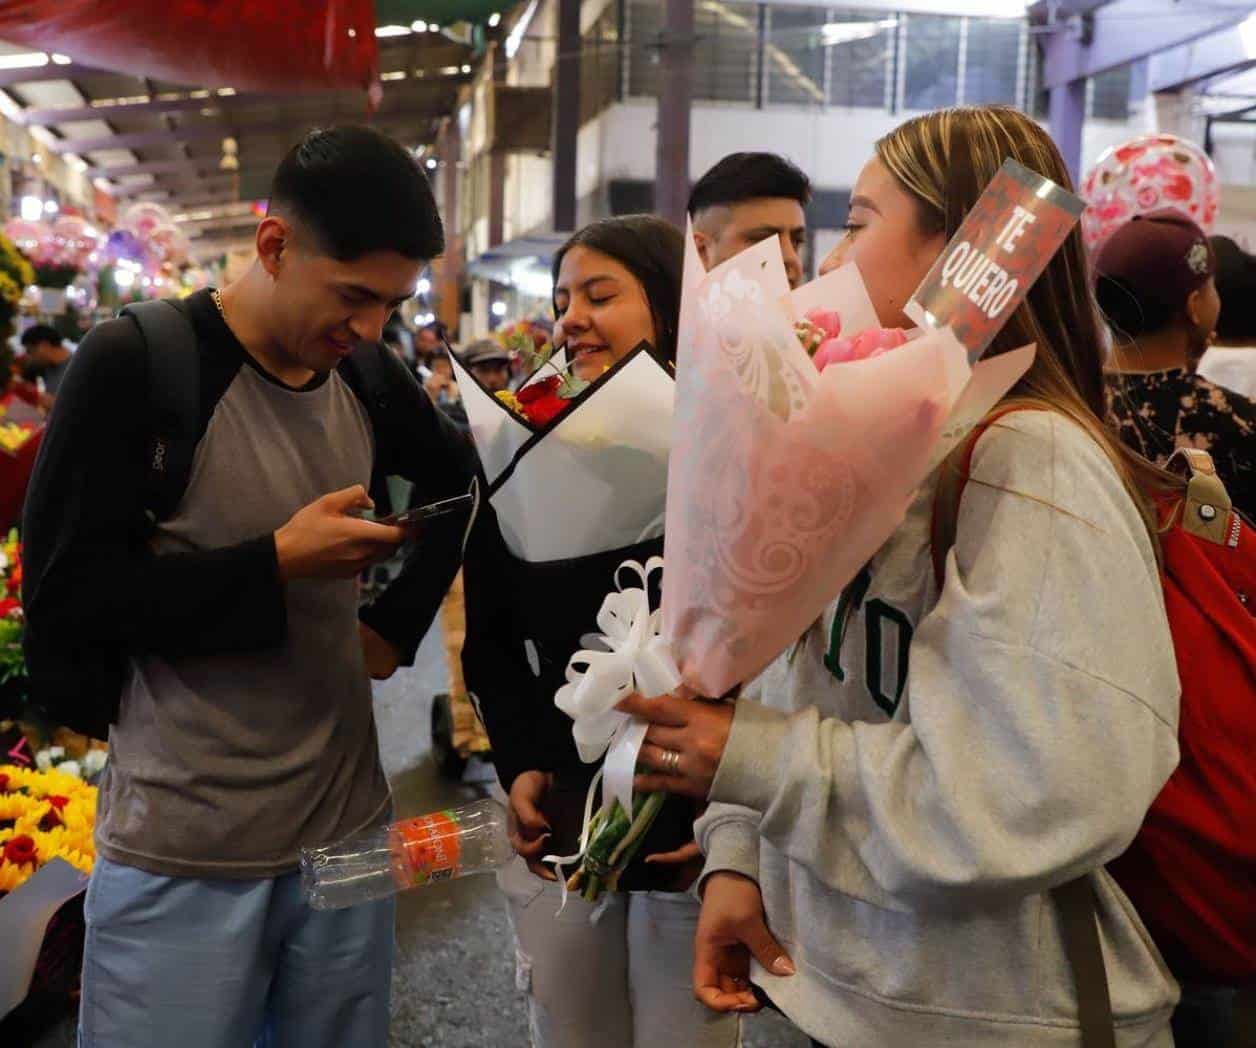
(625, 982)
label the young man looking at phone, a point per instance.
(245, 728)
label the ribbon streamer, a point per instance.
(628, 655)
(637, 658)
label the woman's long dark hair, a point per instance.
(653, 251)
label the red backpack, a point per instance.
(1191, 871)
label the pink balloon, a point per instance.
(75, 239)
(144, 217)
(1146, 174)
(31, 238)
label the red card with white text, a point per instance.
(988, 267)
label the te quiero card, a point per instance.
(990, 264)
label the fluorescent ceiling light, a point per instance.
(396, 74)
(392, 30)
(520, 30)
(495, 19)
(62, 59)
(10, 108)
(418, 27)
(24, 60)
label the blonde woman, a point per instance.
(894, 802)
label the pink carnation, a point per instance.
(827, 320)
(866, 344)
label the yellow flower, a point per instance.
(510, 400)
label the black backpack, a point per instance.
(81, 687)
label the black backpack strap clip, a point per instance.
(174, 400)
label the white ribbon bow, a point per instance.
(636, 658)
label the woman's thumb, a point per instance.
(767, 951)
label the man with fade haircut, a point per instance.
(242, 725)
(746, 198)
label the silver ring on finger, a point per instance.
(671, 762)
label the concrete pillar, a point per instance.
(671, 178)
(1066, 115)
(447, 270)
(566, 122)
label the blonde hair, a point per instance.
(944, 160)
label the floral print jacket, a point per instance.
(1161, 411)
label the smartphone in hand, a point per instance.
(412, 520)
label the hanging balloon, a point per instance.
(76, 239)
(144, 217)
(160, 239)
(33, 239)
(122, 243)
(1146, 174)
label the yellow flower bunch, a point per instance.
(14, 264)
(10, 291)
(52, 809)
(13, 436)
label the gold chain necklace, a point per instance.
(217, 297)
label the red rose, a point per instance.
(540, 401)
(20, 850)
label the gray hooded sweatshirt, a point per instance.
(907, 793)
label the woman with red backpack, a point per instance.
(911, 810)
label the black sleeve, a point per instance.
(418, 442)
(90, 577)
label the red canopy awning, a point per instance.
(279, 45)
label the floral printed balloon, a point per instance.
(1146, 174)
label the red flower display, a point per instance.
(540, 401)
(20, 850)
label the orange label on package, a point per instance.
(430, 847)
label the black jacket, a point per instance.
(524, 622)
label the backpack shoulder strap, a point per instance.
(174, 399)
(372, 376)
(952, 479)
(1207, 507)
(1079, 927)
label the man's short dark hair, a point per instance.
(358, 191)
(749, 176)
(38, 333)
